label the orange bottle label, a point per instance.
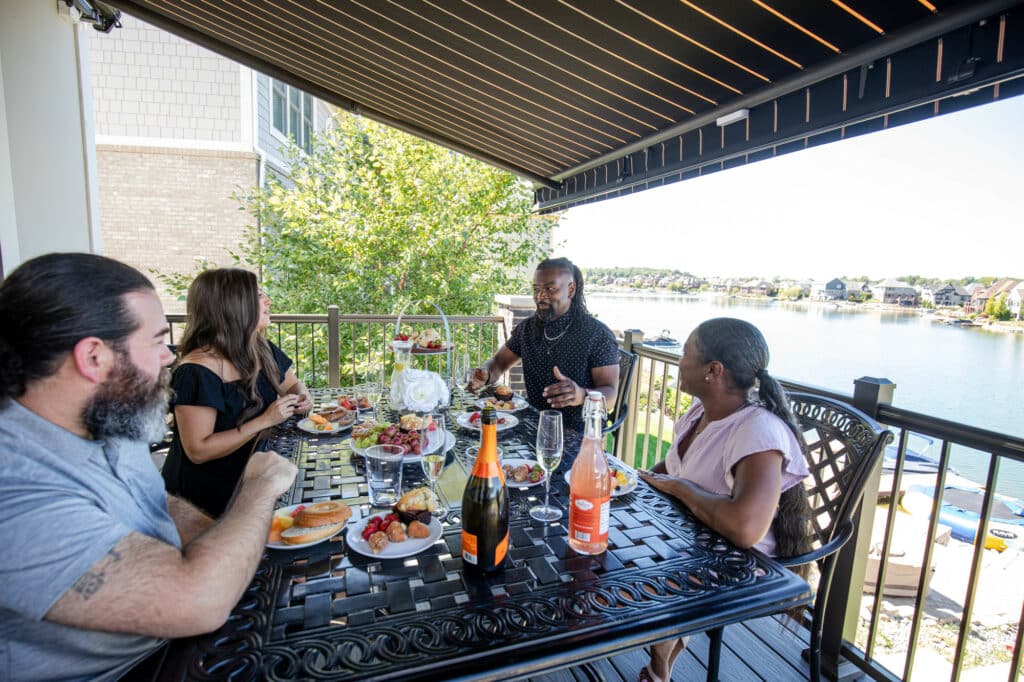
(588, 518)
(469, 548)
(501, 550)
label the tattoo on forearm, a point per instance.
(91, 582)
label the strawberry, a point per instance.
(295, 512)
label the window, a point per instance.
(292, 113)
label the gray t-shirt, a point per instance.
(64, 502)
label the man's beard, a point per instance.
(128, 405)
(546, 313)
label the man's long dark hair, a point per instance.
(50, 303)
(578, 304)
(742, 350)
(223, 309)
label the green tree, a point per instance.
(374, 218)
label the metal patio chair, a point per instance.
(627, 361)
(843, 446)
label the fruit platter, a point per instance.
(425, 342)
(471, 420)
(385, 536)
(624, 479)
(328, 420)
(408, 435)
(512, 404)
(360, 404)
(521, 473)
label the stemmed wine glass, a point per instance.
(433, 463)
(374, 388)
(549, 455)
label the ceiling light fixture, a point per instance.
(734, 117)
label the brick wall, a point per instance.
(152, 84)
(163, 209)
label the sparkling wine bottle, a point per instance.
(485, 504)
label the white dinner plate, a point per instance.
(291, 508)
(621, 490)
(514, 462)
(510, 421)
(433, 444)
(394, 550)
(517, 402)
(309, 426)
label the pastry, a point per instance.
(378, 541)
(395, 532)
(418, 530)
(320, 513)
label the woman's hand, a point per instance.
(304, 404)
(663, 482)
(281, 409)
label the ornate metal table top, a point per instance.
(324, 612)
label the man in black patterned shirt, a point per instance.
(565, 350)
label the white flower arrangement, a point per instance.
(418, 390)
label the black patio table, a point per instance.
(324, 613)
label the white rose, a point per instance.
(418, 390)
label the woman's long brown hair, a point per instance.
(223, 309)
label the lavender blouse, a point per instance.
(714, 452)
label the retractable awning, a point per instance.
(596, 99)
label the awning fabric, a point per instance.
(601, 98)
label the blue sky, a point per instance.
(938, 198)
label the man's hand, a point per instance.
(270, 469)
(564, 392)
(478, 378)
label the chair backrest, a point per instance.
(843, 445)
(627, 361)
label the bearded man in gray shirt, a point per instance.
(99, 566)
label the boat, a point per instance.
(960, 511)
(915, 460)
(663, 340)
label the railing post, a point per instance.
(333, 347)
(851, 564)
(627, 439)
(869, 392)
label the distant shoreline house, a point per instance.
(180, 131)
(1015, 301)
(946, 295)
(895, 292)
(832, 290)
(981, 296)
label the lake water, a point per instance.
(966, 375)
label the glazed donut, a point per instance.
(323, 513)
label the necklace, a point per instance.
(556, 338)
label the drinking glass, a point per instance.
(549, 455)
(433, 462)
(384, 474)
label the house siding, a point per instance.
(148, 83)
(165, 209)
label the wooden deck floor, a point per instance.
(762, 649)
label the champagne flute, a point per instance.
(549, 455)
(375, 388)
(433, 462)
